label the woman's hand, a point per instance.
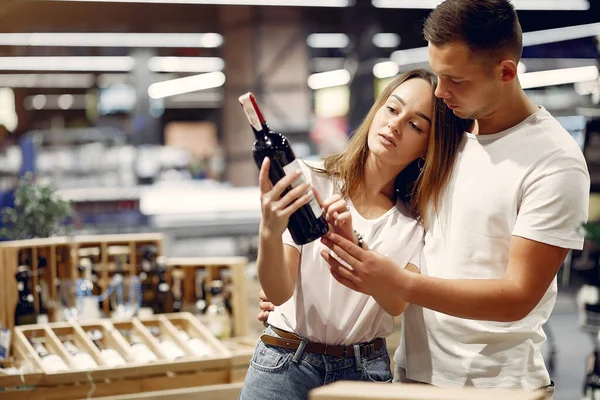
(265, 307)
(339, 217)
(276, 210)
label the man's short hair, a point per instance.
(490, 28)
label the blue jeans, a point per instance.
(277, 373)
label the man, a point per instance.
(519, 191)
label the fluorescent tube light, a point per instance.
(186, 64)
(329, 79)
(571, 5)
(186, 85)
(83, 39)
(297, 3)
(328, 40)
(67, 63)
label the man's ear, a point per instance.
(508, 70)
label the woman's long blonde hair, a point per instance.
(416, 186)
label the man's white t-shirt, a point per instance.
(529, 181)
(323, 310)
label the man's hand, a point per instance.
(265, 307)
(371, 272)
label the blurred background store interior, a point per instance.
(129, 109)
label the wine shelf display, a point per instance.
(44, 276)
(68, 359)
(202, 279)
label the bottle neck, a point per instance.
(261, 134)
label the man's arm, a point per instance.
(531, 268)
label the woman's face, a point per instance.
(400, 130)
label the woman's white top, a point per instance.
(323, 310)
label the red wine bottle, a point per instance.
(308, 223)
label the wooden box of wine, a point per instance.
(121, 357)
(214, 289)
(30, 273)
(60, 276)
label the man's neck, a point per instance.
(508, 113)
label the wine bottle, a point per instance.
(147, 275)
(25, 310)
(308, 223)
(163, 302)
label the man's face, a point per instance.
(468, 86)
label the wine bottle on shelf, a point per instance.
(147, 275)
(217, 317)
(164, 297)
(42, 288)
(177, 290)
(25, 310)
(308, 223)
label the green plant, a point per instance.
(37, 212)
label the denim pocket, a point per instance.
(270, 358)
(378, 369)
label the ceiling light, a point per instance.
(518, 4)
(67, 63)
(558, 77)
(297, 3)
(47, 80)
(186, 64)
(186, 85)
(386, 69)
(386, 40)
(329, 79)
(83, 39)
(328, 40)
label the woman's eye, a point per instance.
(415, 127)
(457, 82)
(392, 110)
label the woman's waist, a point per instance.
(333, 329)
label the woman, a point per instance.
(398, 161)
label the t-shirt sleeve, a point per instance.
(287, 239)
(415, 259)
(554, 203)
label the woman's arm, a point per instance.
(278, 264)
(277, 268)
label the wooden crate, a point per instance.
(56, 251)
(373, 391)
(12, 383)
(213, 266)
(229, 391)
(134, 377)
(63, 256)
(242, 350)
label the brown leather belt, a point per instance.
(292, 341)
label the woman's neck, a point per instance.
(379, 179)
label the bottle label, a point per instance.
(313, 203)
(250, 112)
